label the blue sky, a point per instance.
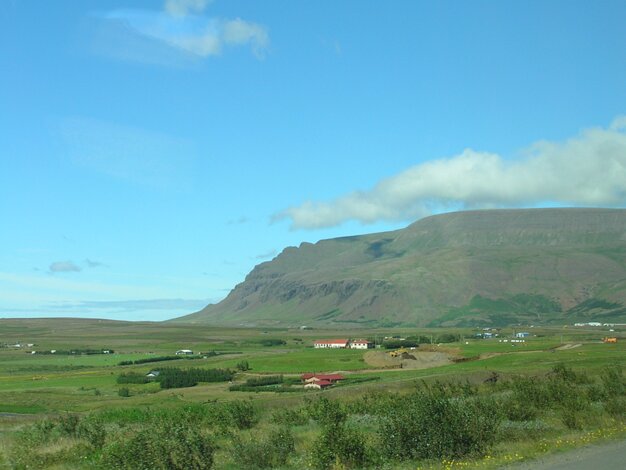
(151, 153)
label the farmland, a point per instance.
(44, 388)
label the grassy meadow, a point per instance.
(72, 410)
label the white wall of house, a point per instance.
(329, 345)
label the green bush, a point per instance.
(243, 365)
(68, 424)
(92, 431)
(270, 452)
(290, 416)
(172, 447)
(616, 407)
(613, 381)
(429, 424)
(123, 392)
(520, 431)
(264, 380)
(516, 410)
(242, 413)
(132, 378)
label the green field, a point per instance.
(36, 387)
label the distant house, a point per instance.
(522, 334)
(319, 385)
(184, 352)
(360, 344)
(153, 373)
(331, 343)
(316, 378)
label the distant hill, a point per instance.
(491, 267)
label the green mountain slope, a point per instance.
(466, 268)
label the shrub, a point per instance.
(39, 433)
(613, 381)
(241, 413)
(270, 452)
(290, 416)
(265, 380)
(93, 432)
(519, 431)
(68, 425)
(428, 424)
(172, 447)
(243, 366)
(340, 444)
(123, 392)
(326, 412)
(516, 410)
(616, 407)
(132, 378)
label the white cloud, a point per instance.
(239, 32)
(587, 170)
(94, 264)
(64, 267)
(153, 36)
(183, 7)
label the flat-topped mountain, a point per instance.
(490, 267)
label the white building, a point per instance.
(361, 344)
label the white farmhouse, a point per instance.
(361, 344)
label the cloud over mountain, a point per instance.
(586, 170)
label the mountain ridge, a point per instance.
(462, 268)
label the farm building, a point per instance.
(331, 343)
(184, 352)
(315, 378)
(522, 334)
(360, 344)
(153, 373)
(319, 385)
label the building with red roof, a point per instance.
(314, 378)
(360, 344)
(331, 343)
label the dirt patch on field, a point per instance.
(568, 346)
(412, 360)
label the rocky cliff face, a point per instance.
(474, 267)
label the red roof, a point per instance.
(323, 377)
(323, 383)
(331, 341)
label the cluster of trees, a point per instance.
(416, 340)
(172, 377)
(399, 343)
(70, 352)
(255, 384)
(132, 378)
(178, 378)
(148, 360)
(272, 342)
